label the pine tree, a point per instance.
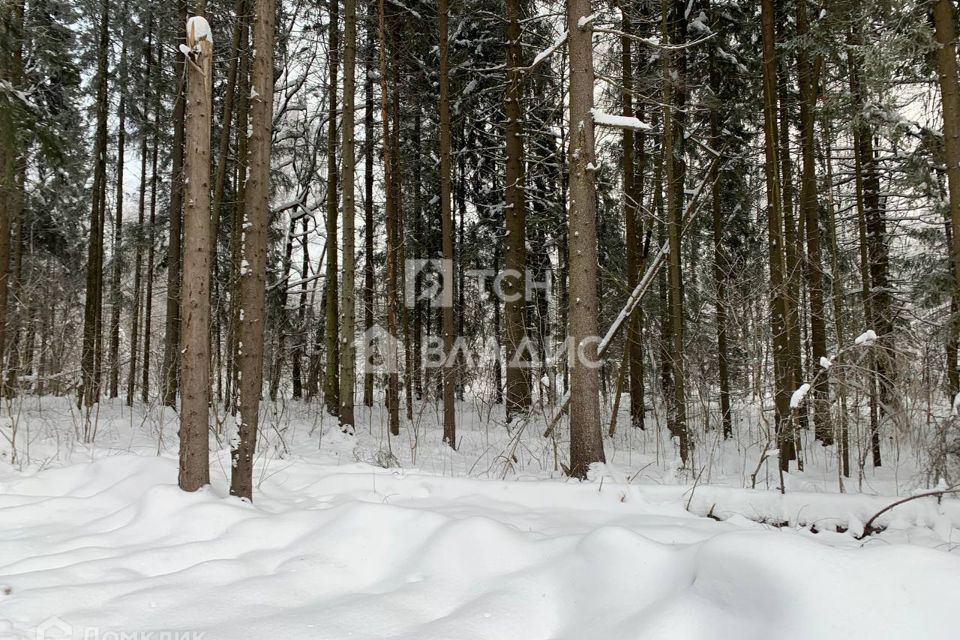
(586, 440)
(195, 332)
(348, 304)
(254, 252)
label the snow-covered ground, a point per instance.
(487, 542)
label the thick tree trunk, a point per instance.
(195, 330)
(945, 34)
(586, 438)
(11, 188)
(254, 251)
(348, 306)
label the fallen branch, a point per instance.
(869, 529)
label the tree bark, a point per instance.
(586, 438)
(781, 363)
(195, 330)
(348, 306)
(331, 335)
(515, 250)
(254, 251)
(389, 350)
(446, 217)
(92, 307)
(674, 29)
(151, 239)
(115, 296)
(171, 346)
(368, 144)
(141, 219)
(809, 211)
(633, 232)
(720, 265)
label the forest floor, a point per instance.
(368, 537)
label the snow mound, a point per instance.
(112, 546)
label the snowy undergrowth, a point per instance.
(100, 537)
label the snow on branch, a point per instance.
(620, 122)
(549, 51)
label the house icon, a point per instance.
(54, 629)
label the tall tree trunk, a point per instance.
(945, 34)
(674, 27)
(781, 361)
(586, 438)
(389, 350)
(239, 218)
(791, 253)
(809, 210)
(141, 218)
(226, 122)
(115, 297)
(446, 217)
(11, 192)
(719, 259)
(401, 236)
(418, 235)
(368, 143)
(217, 288)
(151, 238)
(92, 309)
(837, 295)
(515, 249)
(348, 306)
(296, 371)
(871, 229)
(254, 251)
(633, 236)
(195, 357)
(331, 336)
(171, 346)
